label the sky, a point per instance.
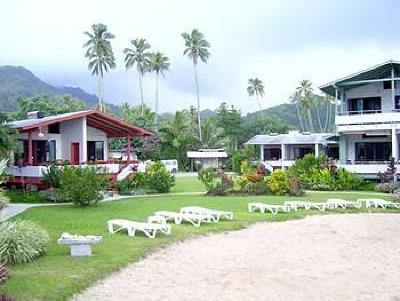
(280, 42)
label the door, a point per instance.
(75, 153)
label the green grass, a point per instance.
(19, 196)
(57, 276)
(188, 184)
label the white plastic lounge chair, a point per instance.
(150, 229)
(194, 219)
(298, 204)
(201, 210)
(336, 203)
(377, 203)
(320, 206)
(274, 209)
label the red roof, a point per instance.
(114, 127)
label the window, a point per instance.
(95, 150)
(364, 105)
(397, 102)
(387, 84)
(53, 128)
(272, 153)
(51, 150)
(373, 151)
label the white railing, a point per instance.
(367, 117)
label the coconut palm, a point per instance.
(295, 99)
(100, 55)
(140, 56)
(256, 88)
(196, 47)
(306, 98)
(159, 63)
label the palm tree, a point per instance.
(100, 55)
(158, 63)
(196, 47)
(140, 115)
(256, 87)
(306, 98)
(140, 56)
(295, 99)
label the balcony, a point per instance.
(366, 120)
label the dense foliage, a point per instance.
(158, 179)
(21, 241)
(52, 176)
(278, 182)
(82, 185)
(321, 174)
(133, 184)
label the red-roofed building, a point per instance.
(77, 138)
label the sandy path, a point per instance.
(335, 257)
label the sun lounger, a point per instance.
(380, 203)
(298, 204)
(320, 206)
(274, 209)
(194, 219)
(201, 210)
(336, 203)
(150, 229)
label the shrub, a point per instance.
(23, 196)
(53, 195)
(295, 187)
(278, 182)
(4, 272)
(346, 180)
(132, 183)
(4, 200)
(387, 187)
(396, 196)
(82, 185)
(225, 184)
(209, 178)
(52, 176)
(158, 178)
(21, 241)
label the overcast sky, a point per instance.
(280, 42)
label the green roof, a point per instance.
(381, 71)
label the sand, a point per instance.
(332, 257)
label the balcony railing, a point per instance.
(366, 112)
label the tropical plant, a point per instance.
(295, 99)
(100, 55)
(306, 98)
(82, 185)
(4, 200)
(140, 56)
(140, 115)
(157, 178)
(21, 241)
(196, 47)
(133, 183)
(52, 176)
(159, 63)
(278, 182)
(208, 177)
(255, 87)
(8, 138)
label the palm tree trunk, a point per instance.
(259, 106)
(141, 90)
(310, 120)
(156, 104)
(99, 93)
(327, 115)
(319, 120)
(299, 117)
(198, 98)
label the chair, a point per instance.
(336, 203)
(150, 229)
(274, 209)
(194, 219)
(217, 214)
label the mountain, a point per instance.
(19, 81)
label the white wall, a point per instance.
(72, 132)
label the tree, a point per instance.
(158, 64)
(306, 97)
(8, 138)
(53, 106)
(140, 115)
(213, 135)
(295, 99)
(256, 87)
(100, 55)
(177, 137)
(230, 120)
(140, 56)
(196, 47)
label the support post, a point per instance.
(336, 102)
(30, 149)
(262, 152)
(128, 150)
(342, 150)
(283, 154)
(83, 152)
(395, 145)
(393, 91)
(316, 146)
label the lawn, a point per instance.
(57, 276)
(188, 184)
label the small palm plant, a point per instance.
(3, 198)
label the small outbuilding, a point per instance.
(205, 158)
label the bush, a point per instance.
(395, 197)
(132, 184)
(22, 196)
(21, 241)
(224, 185)
(52, 176)
(346, 180)
(53, 195)
(209, 178)
(157, 178)
(4, 272)
(295, 187)
(387, 187)
(4, 200)
(82, 185)
(278, 182)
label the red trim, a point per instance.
(30, 149)
(100, 120)
(128, 150)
